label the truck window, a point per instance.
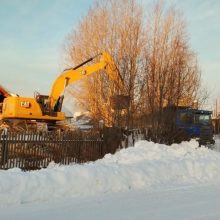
(203, 119)
(186, 117)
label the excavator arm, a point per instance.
(71, 75)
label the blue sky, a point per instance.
(32, 35)
(203, 18)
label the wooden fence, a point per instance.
(36, 150)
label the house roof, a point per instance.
(5, 92)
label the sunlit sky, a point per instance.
(33, 32)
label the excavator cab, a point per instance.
(44, 103)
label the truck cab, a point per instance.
(196, 124)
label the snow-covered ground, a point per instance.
(199, 202)
(148, 181)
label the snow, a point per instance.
(148, 180)
(187, 202)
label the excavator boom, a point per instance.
(71, 75)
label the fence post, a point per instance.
(4, 147)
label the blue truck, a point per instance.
(195, 124)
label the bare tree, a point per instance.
(115, 27)
(172, 75)
(151, 52)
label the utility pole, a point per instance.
(216, 108)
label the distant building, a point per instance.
(4, 93)
(68, 115)
(216, 124)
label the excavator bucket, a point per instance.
(119, 102)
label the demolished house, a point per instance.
(4, 93)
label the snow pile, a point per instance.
(145, 166)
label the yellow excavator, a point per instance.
(47, 108)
